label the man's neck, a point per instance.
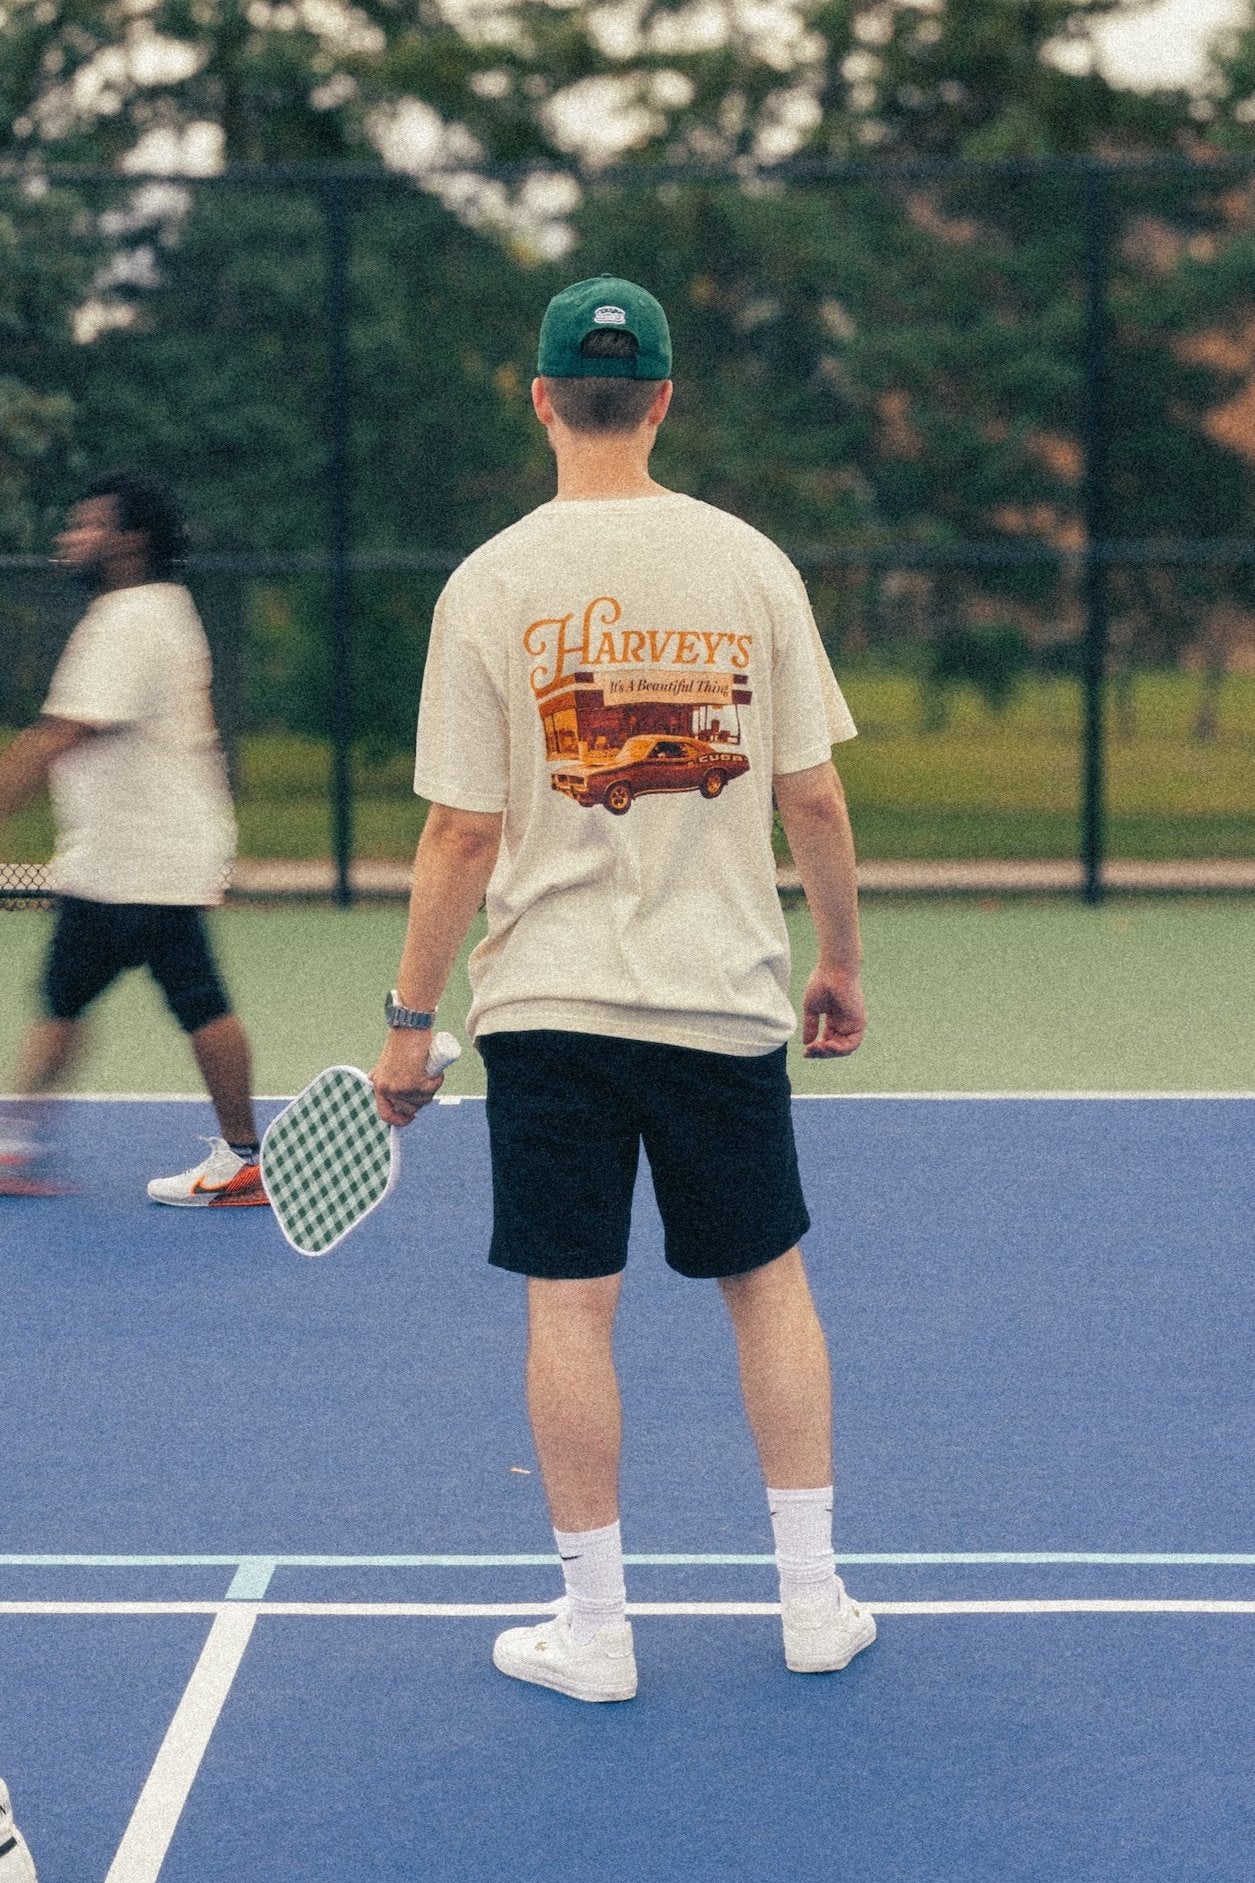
(594, 467)
(123, 572)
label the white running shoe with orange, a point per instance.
(220, 1181)
(16, 1862)
(25, 1169)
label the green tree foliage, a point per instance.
(210, 362)
(858, 361)
(219, 377)
(905, 359)
(980, 79)
(47, 256)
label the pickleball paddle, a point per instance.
(328, 1159)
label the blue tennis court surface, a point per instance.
(263, 1515)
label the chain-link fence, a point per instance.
(22, 886)
(1002, 416)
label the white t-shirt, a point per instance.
(623, 678)
(143, 807)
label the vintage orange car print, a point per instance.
(646, 764)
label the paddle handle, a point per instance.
(444, 1050)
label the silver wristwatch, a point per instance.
(397, 1015)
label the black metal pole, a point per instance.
(340, 599)
(1095, 420)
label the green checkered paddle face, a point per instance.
(327, 1160)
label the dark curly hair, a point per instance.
(145, 503)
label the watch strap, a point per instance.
(397, 1014)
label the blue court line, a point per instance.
(252, 1579)
(254, 1574)
(254, 1564)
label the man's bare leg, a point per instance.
(225, 1060)
(784, 1372)
(573, 1398)
(788, 1399)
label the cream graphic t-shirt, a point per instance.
(143, 808)
(623, 678)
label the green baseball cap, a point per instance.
(587, 306)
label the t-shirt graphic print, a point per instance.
(622, 679)
(629, 711)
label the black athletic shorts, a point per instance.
(567, 1114)
(94, 942)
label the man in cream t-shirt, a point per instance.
(664, 668)
(616, 689)
(146, 833)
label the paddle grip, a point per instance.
(444, 1050)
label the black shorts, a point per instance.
(94, 942)
(567, 1114)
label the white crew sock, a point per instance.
(802, 1523)
(592, 1566)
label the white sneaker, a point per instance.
(821, 1637)
(601, 1669)
(16, 1864)
(221, 1181)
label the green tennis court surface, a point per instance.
(1141, 995)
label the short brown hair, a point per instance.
(604, 405)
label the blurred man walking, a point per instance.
(128, 745)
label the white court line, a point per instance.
(160, 1805)
(465, 1611)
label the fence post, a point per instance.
(1094, 428)
(337, 412)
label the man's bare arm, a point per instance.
(456, 855)
(24, 765)
(817, 824)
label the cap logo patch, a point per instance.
(610, 317)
